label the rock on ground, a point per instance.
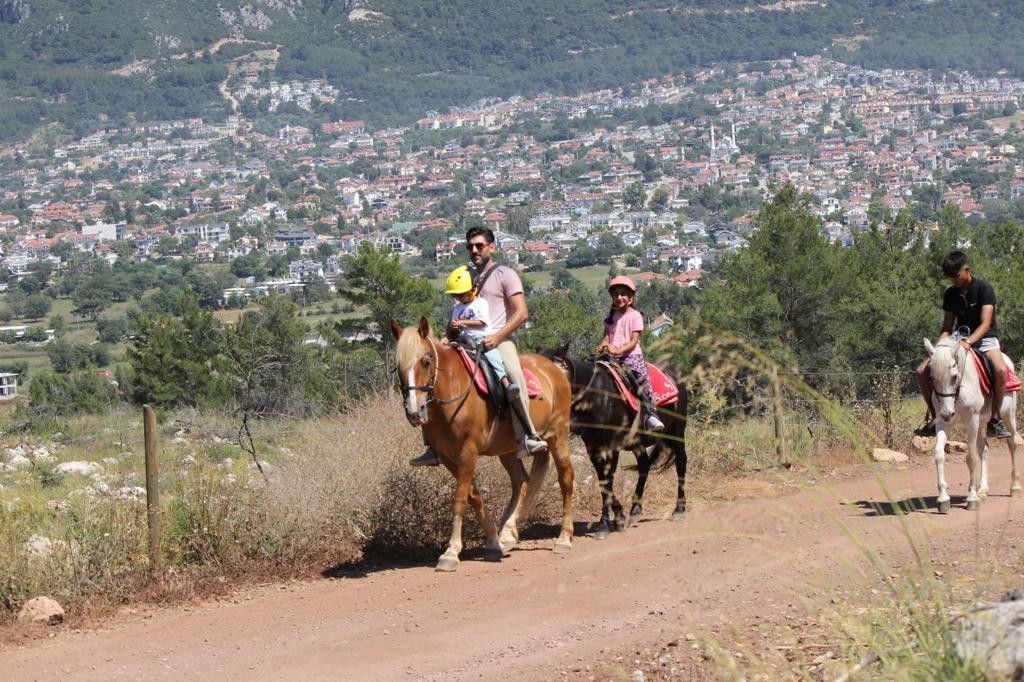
(993, 637)
(886, 455)
(42, 610)
(83, 468)
(20, 462)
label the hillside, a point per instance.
(80, 62)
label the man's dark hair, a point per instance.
(487, 232)
(953, 263)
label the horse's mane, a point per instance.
(408, 349)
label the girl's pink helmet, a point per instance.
(622, 280)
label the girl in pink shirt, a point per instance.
(622, 330)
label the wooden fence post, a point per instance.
(152, 487)
(777, 417)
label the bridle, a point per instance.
(429, 387)
(960, 373)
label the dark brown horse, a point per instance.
(607, 425)
(460, 425)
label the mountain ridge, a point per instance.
(70, 61)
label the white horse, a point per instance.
(958, 399)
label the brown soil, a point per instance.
(753, 570)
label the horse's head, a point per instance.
(559, 356)
(947, 368)
(416, 360)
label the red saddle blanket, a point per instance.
(664, 389)
(1012, 380)
(533, 385)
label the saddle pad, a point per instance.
(1012, 380)
(533, 385)
(664, 389)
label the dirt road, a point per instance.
(748, 568)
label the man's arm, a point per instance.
(512, 323)
(947, 325)
(987, 311)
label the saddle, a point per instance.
(986, 376)
(664, 388)
(489, 385)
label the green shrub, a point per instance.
(52, 394)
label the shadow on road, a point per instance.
(910, 505)
(371, 563)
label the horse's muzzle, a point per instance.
(415, 411)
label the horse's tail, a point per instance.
(538, 472)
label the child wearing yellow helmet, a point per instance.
(471, 322)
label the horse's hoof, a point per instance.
(562, 547)
(506, 548)
(944, 507)
(634, 519)
(1014, 492)
(601, 534)
(447, 564)
(493, 554)
(973, 505)
(678, 515)
(621, 524)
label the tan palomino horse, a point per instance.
(459, 424)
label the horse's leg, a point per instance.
(680, 451)
(559, 447)
(643, 467)
(942, 500)
(493, 551)
(600, 457)
(975, 444)
(449, 561)
(617, 514)
(509, 534)
(1010, 417)
(983, 486)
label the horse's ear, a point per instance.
(929, 347)
(424, 327)
(396, 329)
(563, 350)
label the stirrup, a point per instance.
(532, 446)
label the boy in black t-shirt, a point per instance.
(970, 303)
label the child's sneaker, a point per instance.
(655, 424)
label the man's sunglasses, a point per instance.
(476, 246)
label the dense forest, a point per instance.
(395, 60)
